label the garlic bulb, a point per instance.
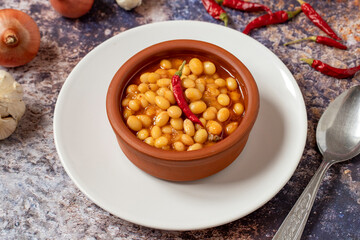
(12, 107)
(128, 4)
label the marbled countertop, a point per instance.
(39, 201)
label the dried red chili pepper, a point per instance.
(311, 13)
(215, 10)
(244, 6)
(179, 96)
(268, 19)
(322, 40)
(329, 70)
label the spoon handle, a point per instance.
(294, 224)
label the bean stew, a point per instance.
(151, 112)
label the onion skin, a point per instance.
(72, 8)
(19, 38)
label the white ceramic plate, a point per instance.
(91, 156)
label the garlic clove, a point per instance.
(7, 127)
(12, 107)
(3, 111)
(128, 4)
(9, 88)
(11, 94)
(15, 109)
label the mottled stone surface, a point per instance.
(39, 201)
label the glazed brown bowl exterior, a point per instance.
(189, 165)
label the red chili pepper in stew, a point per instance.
(329, 70)
(215, 10)
(268, 19)
(322, 40)
(311, 13)
(244, 6)
(179, 96)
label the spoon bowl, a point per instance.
(338, 139)
(338, 131)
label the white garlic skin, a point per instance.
(12, 107)
(7, 127)
(128, 4)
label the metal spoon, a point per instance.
(338, 138)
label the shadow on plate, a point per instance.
(264, 144)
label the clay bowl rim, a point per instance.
(114, 95)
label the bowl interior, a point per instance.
(174, 48)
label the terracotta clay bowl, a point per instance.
(173, 165)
